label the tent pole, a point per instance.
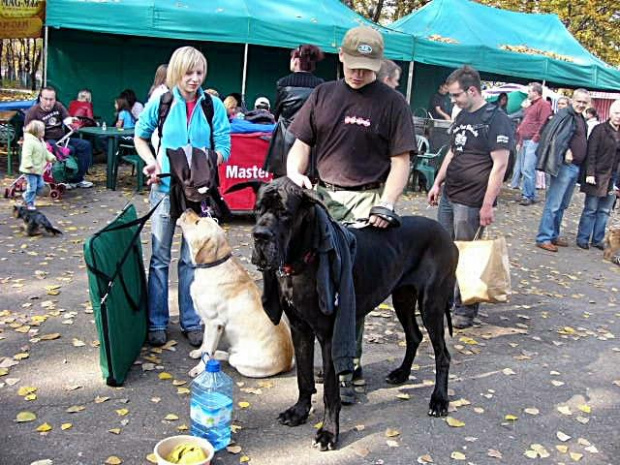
(45, 39)
(410, 81)
(245, 72)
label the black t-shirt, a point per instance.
(441, 101)
(355, 132)
(472, 141)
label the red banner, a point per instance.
(247, 157)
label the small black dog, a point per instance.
(35, 222)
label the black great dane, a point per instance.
(415, 263)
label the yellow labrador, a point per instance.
(612, 242)
(229, 303)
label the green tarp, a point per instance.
(259, 22)
(451, 33)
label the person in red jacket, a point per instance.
(528, 135)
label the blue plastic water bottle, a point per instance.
(211, 405)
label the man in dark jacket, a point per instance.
(561, 151)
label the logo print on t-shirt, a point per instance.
(357, 120)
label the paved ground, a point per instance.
(539, 376)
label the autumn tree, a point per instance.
(594, 23)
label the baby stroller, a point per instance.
(58, 174)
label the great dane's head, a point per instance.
(281, 207)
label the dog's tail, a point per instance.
(53, 231)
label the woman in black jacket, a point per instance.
(292, 92)
(601, 171)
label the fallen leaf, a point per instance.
(531, 454)
(585, 408)
(244, 459)
(101, 399)
(113, 460)
(562, 436)
(454, 422)
(152, 458)
(183, 391)
(425, 459)
(359, 427)
(565, 410)
(25, 390)
(562, 449)
(511, 417)
(44, 428)
(403, 396)
(49, 337)
(494, 453)
(182, 427)
(75, 409)
(391, 433)
(392, 443)
(66, 426)
(21, 356)
(163, 376)
(122, 412)
(575, 456)
(531, 411)
(78, 343)
(508, 371)
(318, 425)
(171, 417)
(456, 455)
(243, 404)
(179, 382)
(23, 417)
(234, 449)
(115, 431)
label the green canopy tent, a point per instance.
(108, 46)
(450, 33)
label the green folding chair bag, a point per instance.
(118, 293)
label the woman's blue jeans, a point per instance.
(593, 221)
(162, 233)
(559, 195)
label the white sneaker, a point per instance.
(84, 184)
(70, 185)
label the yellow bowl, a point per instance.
(165, 446)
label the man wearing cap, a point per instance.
(363, 133)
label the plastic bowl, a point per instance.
(165, 446)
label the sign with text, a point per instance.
(247, 157)
(21, 19)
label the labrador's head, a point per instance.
(206, 239)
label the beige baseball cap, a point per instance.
(362, 48)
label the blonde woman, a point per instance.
(34, 158)
(185, 124)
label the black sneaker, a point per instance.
(194, 337)
(157, 338)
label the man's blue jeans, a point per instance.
(162, 233)
(593, 221)
(462, 222)
(559, 195)
(515, 182)
(528, 170)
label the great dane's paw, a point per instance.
(438, 407)
(195, 354)
(398, 376)
(294, 416)
(325, 440)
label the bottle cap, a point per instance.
(213, 366)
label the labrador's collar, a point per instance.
(215, 263)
